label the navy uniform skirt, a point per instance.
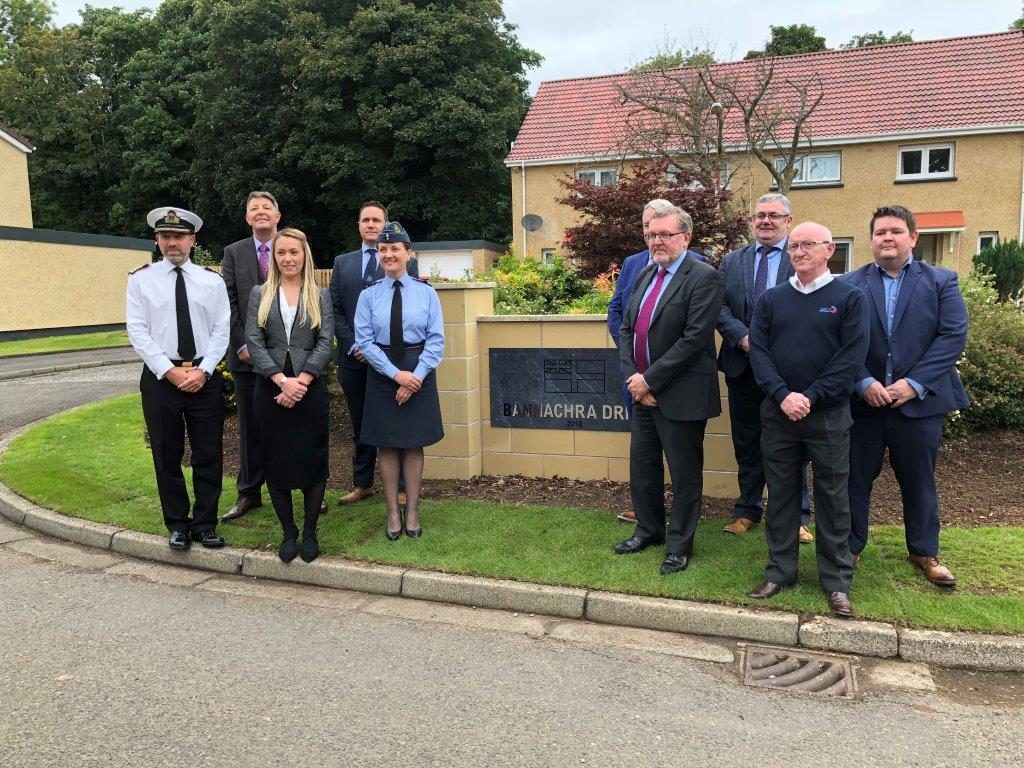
(386, 424)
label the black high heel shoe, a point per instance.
(412, 533)
(396, 535)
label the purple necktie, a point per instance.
(643, 324)
(263, 257)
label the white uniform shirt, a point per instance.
(151, 317)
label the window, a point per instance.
(723, 176)
(840, 261)
(924, 163)
(547, 255)
(814, 169)
(599, 177)
(987, 240)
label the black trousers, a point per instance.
(249, 483)
(364, 457)
(682, 443)
(745, 398)
(825, 437)
(169, 412)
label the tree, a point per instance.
(786, 41)
(1018, 24)
(611, 229)
(675, 59)
(878, 38)
(17, 16)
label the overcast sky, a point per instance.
(578, 38)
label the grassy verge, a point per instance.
(93, 463)
(70, 343)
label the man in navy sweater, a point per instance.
(808, 340)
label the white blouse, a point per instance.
(287, 314)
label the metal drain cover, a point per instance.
(788, 670)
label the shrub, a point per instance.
(229, 384)
(992, 366)
(1005, 261)
(528, 287)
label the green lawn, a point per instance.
(93, 463)
(70, 343)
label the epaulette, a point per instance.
(375, 282)
(211, 269)
(422, 280)
(132, 272)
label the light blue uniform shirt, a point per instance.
(421, 322)
(671, 269)
(892, 287)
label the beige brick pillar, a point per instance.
(458, 455)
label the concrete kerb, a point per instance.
(876, 639)
(47, 369)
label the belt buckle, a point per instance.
(187, 364)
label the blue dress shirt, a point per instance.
(775, 253)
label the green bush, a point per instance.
(992, 366)
(1005, 261)
(528, 287)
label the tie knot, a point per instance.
(263, 248)
(397, 284)
(372, 251)
(178, 270)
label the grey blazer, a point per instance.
(310, 348)
(240, 270)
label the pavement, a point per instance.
(57, 362)
(862, 638)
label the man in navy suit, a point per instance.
(747, 273)
(907, 385)
(353, 272)
(632, 266)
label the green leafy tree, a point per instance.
(878, 38)
(789, 40)
(1018, 24)
(674, 59)
(17, 16)
(1005, 262)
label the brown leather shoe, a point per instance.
(806, 537)
(629, 516)
(356, 494)
(856, 559)
(765, 590)
(242, 506)
(739, 526)
(840, 604)
(402, 500)
(934, 571)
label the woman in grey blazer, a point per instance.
(288, 330)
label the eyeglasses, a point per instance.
(806, 246)
(664, 237)
(772, 217)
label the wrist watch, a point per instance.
(282, 380)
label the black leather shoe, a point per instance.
(394, 536)
(310, 549)
(840, 604)
(288, 550)
(209, 539)
(636, 544)
(765, 590)
(179, 540)
(674, 563)
(242, 506)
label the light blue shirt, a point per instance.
(367, 257)
(892, 286)
(422, 323)
(671, 269)
(775, 253)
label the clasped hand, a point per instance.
(187, 379)
(795, 406)
(292, 391)
(410, 381)
(895, 395)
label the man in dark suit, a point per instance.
(908, 384)
(632, 266)
(245, 265)
(667, 348)
(747, 273)
(353, 272)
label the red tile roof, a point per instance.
(929, 86)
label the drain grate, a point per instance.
(788, 670)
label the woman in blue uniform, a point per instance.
(288, 330)
(400, 331)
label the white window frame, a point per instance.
(923, 149)
(723, 176)
(801, 180)
(848, 242)
(597, 175)
(547, 255)
(993, 236)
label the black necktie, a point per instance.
(397, 334)
(186, 339)
(370, 273)
(761, 278)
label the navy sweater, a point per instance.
(811, 343)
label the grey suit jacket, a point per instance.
(240, 270)
(681, 341)
(310, 348)
(737, 271)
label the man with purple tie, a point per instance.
(667, 349)
(244, 265)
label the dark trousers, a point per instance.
(364, 457)
(682, 443)
(169, 412)
(250, 454)
(825, 438)
(745, 399)
(913, 451)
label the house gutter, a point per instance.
(522, 183)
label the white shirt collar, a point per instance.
(819, 282)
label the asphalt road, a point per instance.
(111, 662)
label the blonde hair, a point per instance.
(309, 294)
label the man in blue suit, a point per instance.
(631, 267)
(747, 273)
(908, 384)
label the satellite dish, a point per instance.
(532, 222)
